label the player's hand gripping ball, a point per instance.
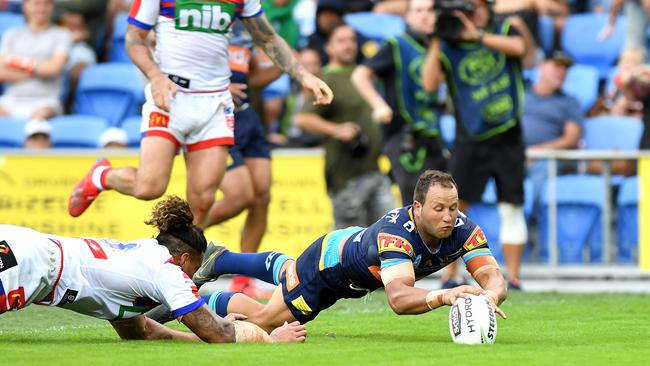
(472, 321)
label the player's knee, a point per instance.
(513, 224)
(262, 198)
(149, 190)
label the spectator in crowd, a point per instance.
(37, 134)
(81, 54)
(636, 14)
(280, 15)
(360, 193)
(305, 15)
(635, 84)
(32, 60)
(411, 137)
(619, 104)
(114, 138)
(552, 120)
(481, 63)
(94, 15)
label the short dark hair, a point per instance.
(173, 218)
(336, 26)
(429, 178)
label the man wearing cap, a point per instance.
(37, 134)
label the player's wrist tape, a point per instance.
(434, 299)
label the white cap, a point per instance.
(114, 135)
(36, 126)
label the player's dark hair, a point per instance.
(173, 218)
(429, 178)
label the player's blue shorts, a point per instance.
(317, 280)
(250, 140)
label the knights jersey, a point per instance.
(102, 278)
(191, 36)
(394, 239)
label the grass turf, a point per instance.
(542, 329)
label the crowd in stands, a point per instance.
(587, 60)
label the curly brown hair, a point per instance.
(174, 219)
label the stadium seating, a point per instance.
(118, 50)
(13, 132)
(485, 215)
(612, 132)
(132, 127)
(377, 26)
(546, 31)
(580, 40)
(448, 130)
(579, 205)
(627, 226)
(77, 130)
(581, 82)
(112, 90)
(10, 20)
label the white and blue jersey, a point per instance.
(191, 40)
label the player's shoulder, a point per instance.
(467, 233)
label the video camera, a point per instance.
(448, 26)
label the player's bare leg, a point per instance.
(205, 170)
(237, 189)
(512, 254)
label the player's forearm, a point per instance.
(265, 37)
(512, 46)
(313, 123)
(246, 332)
(138, 51)
(492, 281)
(404, 299)
(264, 76)
(362, 80)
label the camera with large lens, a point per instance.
(448, 26)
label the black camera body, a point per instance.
(448, 26)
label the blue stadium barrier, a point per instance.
(77, 130)
(13, 131)
(10, 20)
(580, 40)
(118, 50)
(113, 91)
(579, 206)
(377, 26)
(132, 127)
(627, 226)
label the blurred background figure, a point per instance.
(32, 61)
(359, 192)
(113, 138)
(37, 134)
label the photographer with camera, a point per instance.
(359, 192)
(409, 115)
(481, 62)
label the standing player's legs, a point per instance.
(237, 190)
(205, 170)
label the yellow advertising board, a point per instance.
(34, 190)
(644, 214)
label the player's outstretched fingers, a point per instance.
(289, 332)
(236, 316)
(498, 310)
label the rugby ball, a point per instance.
(473, 321)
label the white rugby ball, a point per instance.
(472, 321)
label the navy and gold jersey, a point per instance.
(393, 239)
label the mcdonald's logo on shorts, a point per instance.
(157, 119)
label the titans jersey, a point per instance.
(240, 53)
(394, 239)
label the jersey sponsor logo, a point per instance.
(230, 122)
(292, 277)
(301, 305)
(96, 249)
(7, 257)
(157, 119)
(204, 16)
(389, 242)
(16, 299)
(475, 240)
(68, 297)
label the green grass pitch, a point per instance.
(542, 329)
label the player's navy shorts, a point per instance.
(315, 281)
(250, 140)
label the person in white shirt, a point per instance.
(119, 281)
(187, 100)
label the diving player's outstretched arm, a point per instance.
(486, 272)
(404, 298)
(279, 51)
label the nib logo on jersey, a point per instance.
(204, 16)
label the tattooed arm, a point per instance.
(136, 47)
(278, 50)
